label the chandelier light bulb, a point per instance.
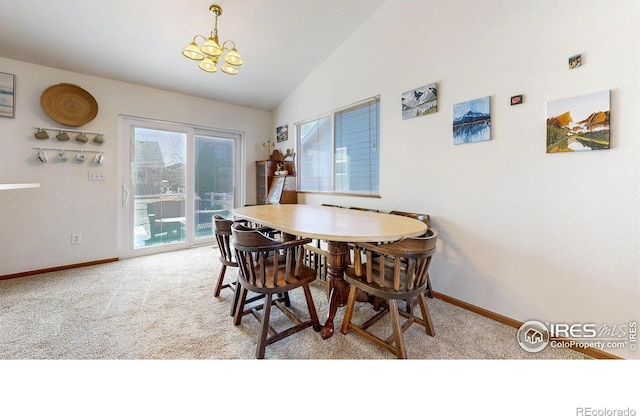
(229, 69)
(233, 57)
(211, 46)
(208, 65)
(193, 52)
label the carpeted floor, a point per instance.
(161, 307)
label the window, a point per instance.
(339, 152)
(341, 161)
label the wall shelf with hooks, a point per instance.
(41, 134)
(66, 129)
(66, 149)
(62, 154)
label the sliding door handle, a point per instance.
(125, 196)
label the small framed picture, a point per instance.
(282, 133)
(516, 99)
(575, 61)
(7, 95)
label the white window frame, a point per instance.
(335, 153)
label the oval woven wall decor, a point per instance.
(68, 104)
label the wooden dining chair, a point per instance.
(222, 231)
(391, 271)
(365, 209)
(272, 267)
(227, 257)
(425, 218)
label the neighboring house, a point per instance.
(148, 177)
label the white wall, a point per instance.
(523, 233)
(36, 224)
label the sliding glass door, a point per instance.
(176, 179)
(213, 182)
(159, 185)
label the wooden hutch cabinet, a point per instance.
(273, 187)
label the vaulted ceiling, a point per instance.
(141, 41)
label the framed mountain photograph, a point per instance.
(282, 133)
(579, 123)
(472, 121)
(420, 101)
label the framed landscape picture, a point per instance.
(472, 121)
(7, 95)
(575, 61)
(579, 123)
(282, 133)
(420, 101)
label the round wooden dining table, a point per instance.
(338, 227)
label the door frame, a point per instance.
(126, 126)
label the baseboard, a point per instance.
(57, 268)
(591, 352)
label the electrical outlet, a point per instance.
(96, 176)
(76, 238)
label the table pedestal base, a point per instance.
(337, 260)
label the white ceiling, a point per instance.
(140, 41)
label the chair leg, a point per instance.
(401, 351)
(223, 269)
(409, 306)
(236, 299)
(429, 290)
(348, 313)
(237, 318)
(264, 327)
(287, 301)
(426, 317)
(312, 308)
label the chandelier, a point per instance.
(211, 51)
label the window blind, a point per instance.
(339, 152)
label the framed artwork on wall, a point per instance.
(516, 99)
(579, 123)
(420, 101)
(575, 61)
(282, 133)
(7, 95)
(472, 121)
